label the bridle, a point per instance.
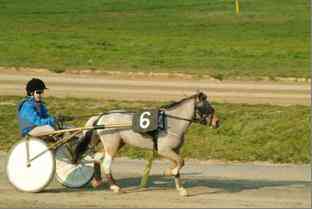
(201, 112)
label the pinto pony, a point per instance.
(179, 115)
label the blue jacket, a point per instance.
(29, 116)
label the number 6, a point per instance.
(144, 122)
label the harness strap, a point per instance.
(154, 135)
(98, 118)
(180, 118)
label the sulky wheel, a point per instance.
(35, 175)
(69, 174)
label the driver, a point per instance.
(35, 120)
(33, 115)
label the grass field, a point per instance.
(248, 132)
(269, 37)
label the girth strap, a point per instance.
(154, 135)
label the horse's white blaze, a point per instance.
(35, 177)
(107, 163)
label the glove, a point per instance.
(60, 119)
(63, 118)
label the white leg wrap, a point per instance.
(175, 171)
(99, 156)
(106, 164)
(115, 188)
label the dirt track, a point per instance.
(157, 89)
(209, 184)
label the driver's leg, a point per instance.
(41, 130)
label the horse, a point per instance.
(179, 115)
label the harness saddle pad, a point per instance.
(147, 121)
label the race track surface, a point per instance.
(157, 89)
(209, 184)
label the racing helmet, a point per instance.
(34, 84)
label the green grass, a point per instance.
(248, 132)
(269, 37)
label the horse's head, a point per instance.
(204, 112)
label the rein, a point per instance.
(180, 118)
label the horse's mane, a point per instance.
(175, 103)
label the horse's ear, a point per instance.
(202, 96)
(198, 91)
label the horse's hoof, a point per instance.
(96, 183)
(115, 188)
(183, 192)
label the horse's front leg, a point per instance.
(182, 191)
(177, 178)
(178, 163)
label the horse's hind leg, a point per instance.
(178, 163)
(111, 146)
(107, 171)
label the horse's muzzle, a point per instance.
(214, 121)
